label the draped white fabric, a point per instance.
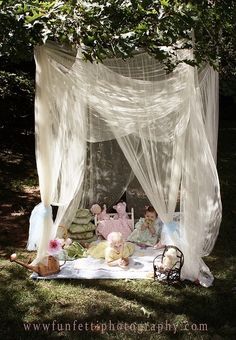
(60, 144)
(165, 126)
(209, 87)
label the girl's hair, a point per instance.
(114, 237)
(150, 209)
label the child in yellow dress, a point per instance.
(114, 250)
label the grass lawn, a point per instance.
(112, 309)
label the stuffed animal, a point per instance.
(101, 213)
(96, 209)
(121, 211)
(169, 260)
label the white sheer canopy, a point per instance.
(98, 124)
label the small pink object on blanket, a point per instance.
(124, 226)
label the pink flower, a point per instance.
(54, 247)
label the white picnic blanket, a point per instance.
(140, 267)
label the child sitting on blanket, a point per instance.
(115, 250)
(148, 229)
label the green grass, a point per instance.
(102, 301)
(197, 312)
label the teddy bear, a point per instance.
(101, 213)
(121, 211)
(169, 260)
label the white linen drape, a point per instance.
(200, 195)
(209, 88)
(60, 130)
(162, 123)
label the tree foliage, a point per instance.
(107, 28)
(16, 101)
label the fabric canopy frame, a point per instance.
(166, 126)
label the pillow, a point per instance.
(83, 213)
(82, 236)
(89, 240)
(83, 216)
(81, 228)
(82, 220)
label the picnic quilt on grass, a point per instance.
(140, 267)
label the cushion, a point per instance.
(83, 213)
(89, 240)
(82, 220)
(82, 236)
(81, 228)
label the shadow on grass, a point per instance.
(58, 303)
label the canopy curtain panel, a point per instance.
(120, 119)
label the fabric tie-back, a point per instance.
(161, 123)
